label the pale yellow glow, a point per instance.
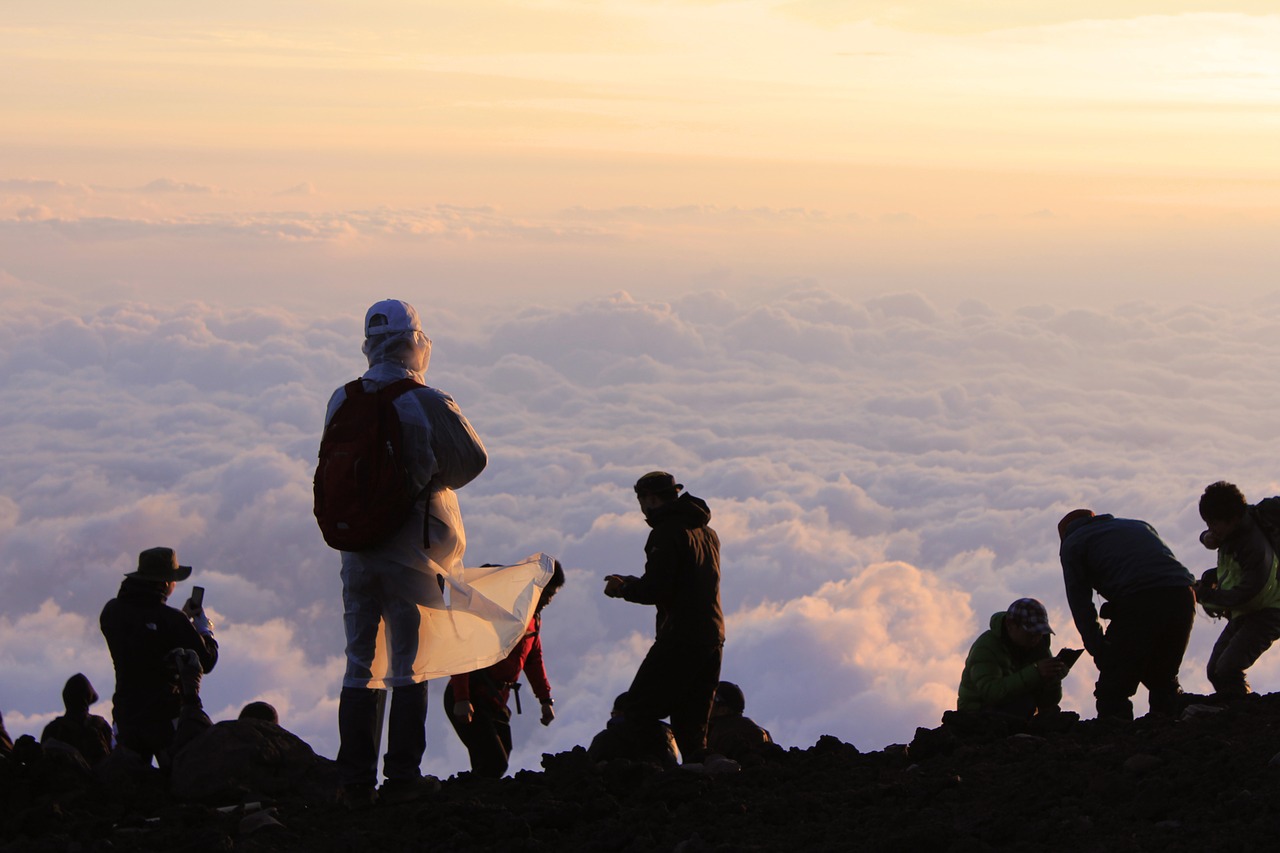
(1053, 121)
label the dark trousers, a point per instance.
(1241, 643)
(678, 682)
(358, 729)
(1145, 643)
(487, 737)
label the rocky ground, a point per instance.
(1205, 782)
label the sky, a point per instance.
(891, 286)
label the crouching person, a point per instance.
(1011, 681)
(1243, 587)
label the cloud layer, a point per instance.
(884, 474)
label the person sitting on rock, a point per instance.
(730, 733)
(647, 741)
(1010, 674)
(88, 734)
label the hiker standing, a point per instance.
(1149, 602)
(385, 582)
(141, 632)
(476, 702)
(1243, 588)
(678, 676)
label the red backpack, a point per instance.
(362, 487)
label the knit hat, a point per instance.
(1029, 615)
(160, 564)
(1070, 517)
(656, 482)
(390, 315)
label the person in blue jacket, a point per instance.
(1149, 602)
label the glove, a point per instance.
(201, 622)
(548, 712)
(463, 712)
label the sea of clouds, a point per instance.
(884, 474)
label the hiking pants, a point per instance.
(679, 682)
(487, 737)
(1241, 643)
(1145, 643)
(359, 709)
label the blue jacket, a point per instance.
(1118, 557)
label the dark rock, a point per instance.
(244, 760)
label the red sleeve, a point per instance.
(535, 671)
(461, 685)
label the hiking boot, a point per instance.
(357, 798)
(396, 792)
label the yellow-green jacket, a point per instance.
(1246, 572)
(997, 673)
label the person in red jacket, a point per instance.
(476, 702)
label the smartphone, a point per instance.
(197, 596)
(1069, 656)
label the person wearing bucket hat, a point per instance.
(1010, 670)
(392, 579)
(1149, 601)
(678, 676)
(142, 630)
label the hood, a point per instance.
(409, 349)
(689, 511)
(78, 692)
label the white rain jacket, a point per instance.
(471, 618)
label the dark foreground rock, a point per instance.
(1206, 782)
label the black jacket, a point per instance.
(140, 630)
(681, 573)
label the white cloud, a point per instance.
(884, 475)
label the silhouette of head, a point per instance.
(729, 696)
(78, 694)
(393, 333)
(1070, 518)
(264, 711)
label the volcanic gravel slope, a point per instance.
(1205, 782)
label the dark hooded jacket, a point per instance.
(88, 733)
(681, 573)
(141, 629)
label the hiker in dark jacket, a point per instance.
(648, 741)
(730, 732)
(476, 702)
(141, 630)
(681, 578)
(1149, 601)
(88, 734)
(1243, 587)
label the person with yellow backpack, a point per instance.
(1243, 587)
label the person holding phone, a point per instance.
(142, 632)
(1010, 673)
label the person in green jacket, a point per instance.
(1010, 671)
(1244, 587)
